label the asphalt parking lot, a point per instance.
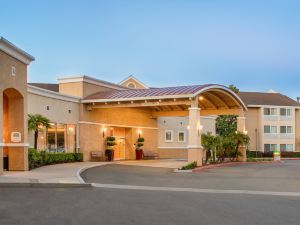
(116, 206)
(284, 176)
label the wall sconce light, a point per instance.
(201, 98)
(104, 131)
(188, 127)
(140, 132)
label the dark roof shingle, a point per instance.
(47, 86)
(259, 98)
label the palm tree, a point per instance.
(35, 122)
(241, 139)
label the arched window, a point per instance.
(131, 85)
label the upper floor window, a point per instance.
(286, 129)
(270, 129)
(270, 111)
(285, 112)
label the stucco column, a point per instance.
(194, 141)
(1, 130)
(241, 127)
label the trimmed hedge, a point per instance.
(41, 158)
(259, 154)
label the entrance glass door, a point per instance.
(119, 149)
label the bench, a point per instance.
(150, 155)
(97, 156)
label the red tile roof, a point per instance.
(151, 92)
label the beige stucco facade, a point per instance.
(13, 106)
(256, 122)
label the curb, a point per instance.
(44, 185)
(81, 170)
(233, 164)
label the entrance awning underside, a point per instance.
(210, 96)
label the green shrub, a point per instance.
(37, 159)
(190, 166)
(290, 154)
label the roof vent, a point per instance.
(272, 91)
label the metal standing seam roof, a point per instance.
(151, 92)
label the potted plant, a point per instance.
(139, 148)
(109, 151)
(276, 155)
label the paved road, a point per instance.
(260, 177)
(115, 206)
(102, 206)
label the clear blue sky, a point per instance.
(252, 44)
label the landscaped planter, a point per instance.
(109, 155)
(139, 154)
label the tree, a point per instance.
(234, 88)
(226, 125)
(36, 122)
(240, 139)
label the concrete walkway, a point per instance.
(68, 172)
(60, 173)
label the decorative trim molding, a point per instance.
(91, 80)
(14, 145)
(176, 147)
(15, 52)
(116, 125)
(52, 94)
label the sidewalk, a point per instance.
(59, 173)
(67, 173)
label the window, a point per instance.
(285, 112)
(48, 107)
(270, 147)
(70, 111)
(286, 148)
(286, 129)
(168, 136)
(60, 138)
(270, 129)
(270, 111)
(181, 136)
(131, 85)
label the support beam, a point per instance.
(195, 150)
(218, 98)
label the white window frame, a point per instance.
(286, 130)
(171, 131)
(272, 109)
(271, 147)
(286, 112)
(184, 136)
(286, 147)
(270, 126)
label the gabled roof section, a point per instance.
(91, 80)
(131, 77)
(271, 99)
(15, 52)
